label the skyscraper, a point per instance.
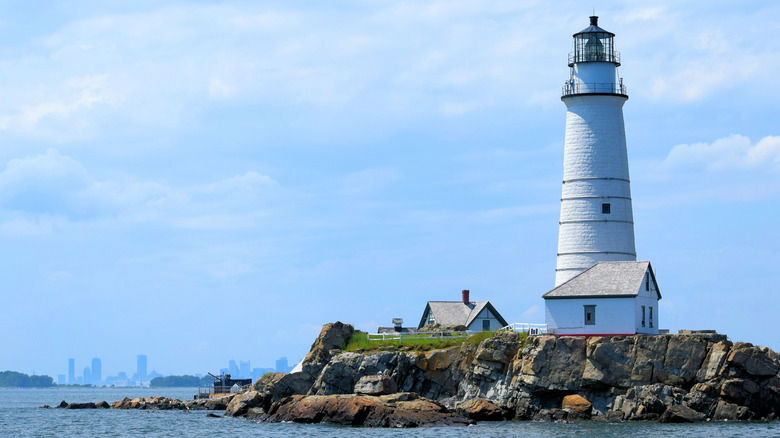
(97, 371)
(71, 371)
(140, 367)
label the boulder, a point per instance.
(726, 411)
(753, 360)
(554, 414)
(681, 414)
(397, 410)
(480, 409)
(102, 405)
(333, 336)
(578, 405)
(63, 404)
(81, 406)
(375, 385)
(241, 403)
(500, 348)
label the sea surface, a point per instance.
(20, 416)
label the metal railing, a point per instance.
(419, 335)
(525, 327)
(571, 88)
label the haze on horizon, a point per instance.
(201, 181)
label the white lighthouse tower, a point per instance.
(596, 222)
(600, 288)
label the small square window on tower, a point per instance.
(606, 208)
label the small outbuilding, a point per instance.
(610, 298)
(475, 315)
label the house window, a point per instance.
(485, 325)
(643, 316)
(647, 281)
(590, 315)
(606, 208)
(651, 316)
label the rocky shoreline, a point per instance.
(667, 378)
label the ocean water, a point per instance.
(21, 417)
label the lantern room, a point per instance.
(594, 44)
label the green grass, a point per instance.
(359, 341)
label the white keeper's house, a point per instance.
(600, 288)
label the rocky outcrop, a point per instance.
(397, 410)
(509, 376)
(669, 378)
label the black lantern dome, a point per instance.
(594, 44)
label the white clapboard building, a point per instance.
(599, 286)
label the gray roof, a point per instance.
(606, 280)
(458, 312)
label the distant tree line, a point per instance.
(180, 381)
(13, 379)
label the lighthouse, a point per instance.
(600, 287)
(596, 222)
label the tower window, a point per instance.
(643, 316)
(651, 317)
(606, 208)
(590, 315)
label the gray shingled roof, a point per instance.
(460, 313)
(606, 280)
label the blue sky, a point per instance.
(201, 181)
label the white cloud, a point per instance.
(734, 152)
(52, 184)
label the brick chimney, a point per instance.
(465, 296)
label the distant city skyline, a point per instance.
(93, 375)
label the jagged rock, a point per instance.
(609, 362)
(684, 356)
(44, 407)
(713, 363)
(217, 404)
(241, 403)
(375, 385)
(63, 404)
(680, 414)
(754, 361)
(739, 391)
(726, 411)
(610, 417)
(398, 410)
(647, 401)
(553, 363)
(81, 406)
(480, 409)
(500, 348)
(153, 403)
(332, 337)
(551, 415)
(577, 405)
(102, 405)
(702, 398)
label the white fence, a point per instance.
(420, 335)
(524, 327)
